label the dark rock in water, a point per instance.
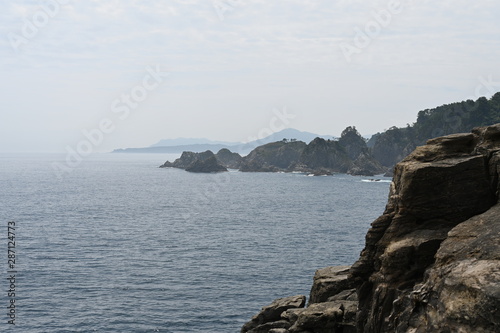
(365, 165)
(228, 159)
(348, 155)
(187, 158)
(272, 313)
(272, 157)
(205, 162)
(431, 262)
(320, 157)
(332, 308)
(323, 154)
(206, 166)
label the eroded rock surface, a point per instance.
(262, 322)
(435, 191)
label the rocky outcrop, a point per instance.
(328, 282)
(205, 162)
(332, 308)
(270, 316)
(353, 143)
(272, 157)
(228, 159)
(437, 187)
(349, 154)
(324, 154)
(461, 291)
(366, 165)
(431, 262)
(208, 165)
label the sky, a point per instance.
(96, 75)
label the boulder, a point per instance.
(328, 282)
(272, 313)
(327, 317)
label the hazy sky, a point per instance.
(73, 66)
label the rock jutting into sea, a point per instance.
(349, 154)
(229, 159)
(431, 262)
(205, 162)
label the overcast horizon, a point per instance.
(130, 73)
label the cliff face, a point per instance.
(321, 153)
(349, 154)
(275, 156)
(435, 189)
(229, 159)
(431, 262)
(205, 162)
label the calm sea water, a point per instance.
(119, 245)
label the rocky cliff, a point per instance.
(431, 262)
(349, 154)
(205, 162)
(229, 159)
(271, 157)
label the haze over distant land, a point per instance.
(199, 145)
(129, 74)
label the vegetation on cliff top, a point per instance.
(393, 145)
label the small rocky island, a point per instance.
(205, 162)
(431, 262)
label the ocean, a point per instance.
(120, 245)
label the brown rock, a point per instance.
(328, 317)
(435, 188)
(328, 282)
(272, 312)
(461, 292)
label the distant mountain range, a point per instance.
(179, 145)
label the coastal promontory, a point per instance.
(205, 162)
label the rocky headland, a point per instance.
(349, 154)
(229, 159)
(205, 162)
(431, 262)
